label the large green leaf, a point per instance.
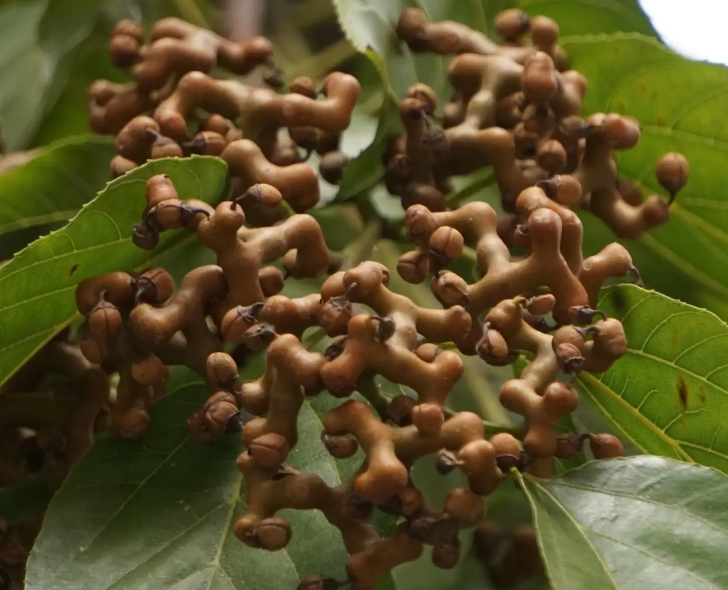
(56, 183)
(642, 523)
(680, 105)
(36, 287)
(159, 513)
(37, 43)
(587, 17)
(669, 393)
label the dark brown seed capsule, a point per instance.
(238, 321)
(447, 244)
(221, 369)
(148, 370)
(512, 24)
(105, 321)
(357, 508)
(332, 166)
(492, 347)
(164, 147)
(340, 447)
(144, 236)
(259, 337)
(568, 445)
(446, 462)
(124, 51)
(335, 314)
(446, 554)
(272, 534)
(400, 410)
(335, 349)
(385, 329)
(222, 417)
(606, 446)
(414, 266)
(269, 450)
(672, 172)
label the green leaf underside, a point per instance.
(56, 183)
(680, 105)
(159, 513)
(37, 41)
(634, 523)
(37, 286)
(669, 393)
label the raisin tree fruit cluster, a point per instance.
(516, 108)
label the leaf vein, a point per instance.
(126, 502)
(653, 556)
(585, 377)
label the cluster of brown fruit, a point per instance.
(515, 108)
(242, 123)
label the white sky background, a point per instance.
(696, 28)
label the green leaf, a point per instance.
(56, 183)
(159, 513)
(70, 113)
(641, 523)
(340, 224)
(669, 393)
(37, 43)
(37, 286)
(581, 17)
(680, 105)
